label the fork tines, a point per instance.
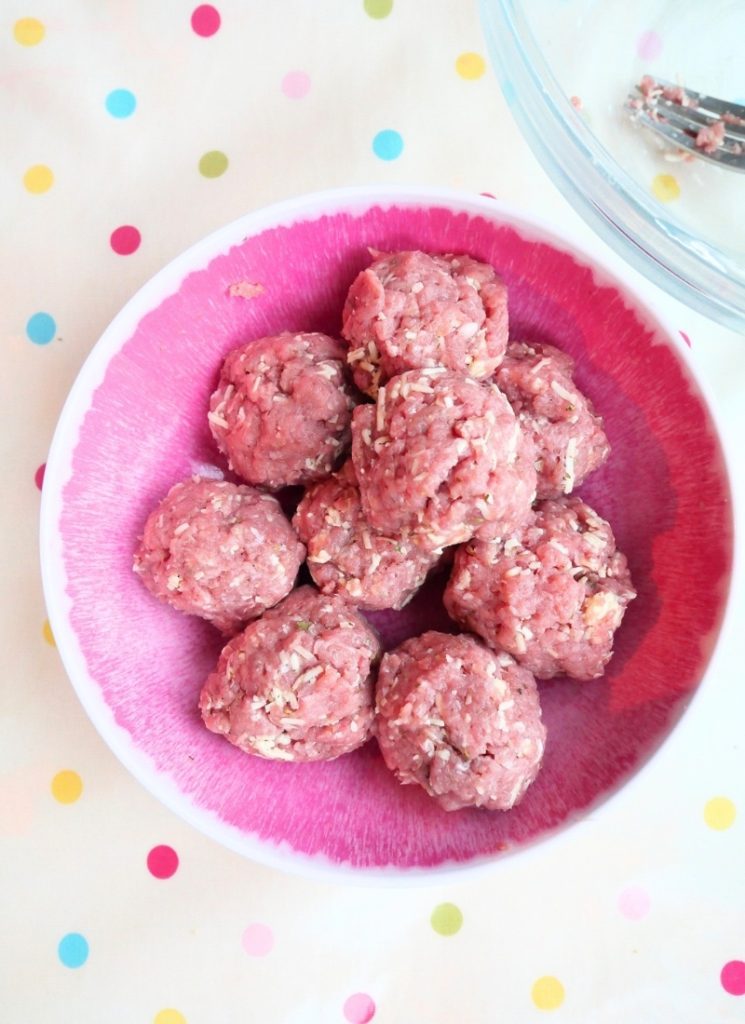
(698, 125)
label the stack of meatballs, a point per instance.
(460, 439)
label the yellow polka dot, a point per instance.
(28, 31)
(169, 1017)
(547, 993)
(67, 787)
(446, 919)
(719, 813)
(46, 632)
(470, 65)
(666, 187)
(38, 179)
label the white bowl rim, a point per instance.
(58, 470)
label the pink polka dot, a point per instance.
(258, 939)
(685, 338)
(39, 475)
(634, 903)
(733, 977)
(359, 1008)
(162, 861)
(296, 84)
(649, 45)
(125, 240)
(205, 20)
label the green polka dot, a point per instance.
(213, 164)
(378, 8)
(446, 919)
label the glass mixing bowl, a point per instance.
(566, 66)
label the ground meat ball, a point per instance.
(553, 596)
(296, 684)
(410, 310)
(282, 409)
(515, 492)
(460, 721)
(219, 550)
(347, 557)
(568, 435)
(442, 456)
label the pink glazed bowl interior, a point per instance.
(135, 423)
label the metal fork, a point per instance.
(699, 125)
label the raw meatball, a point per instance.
(552, 596)
(568, 435)
(347, 557)
(296, 685)
(219, 550)
(442, 456)
(460, 721)
(410, 310)
(282, 409)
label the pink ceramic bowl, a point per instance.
(135, 423)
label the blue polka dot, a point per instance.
(388, 144)
(41, 328)
(121, 103)
(73, 950)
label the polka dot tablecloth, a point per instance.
(130, 129)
